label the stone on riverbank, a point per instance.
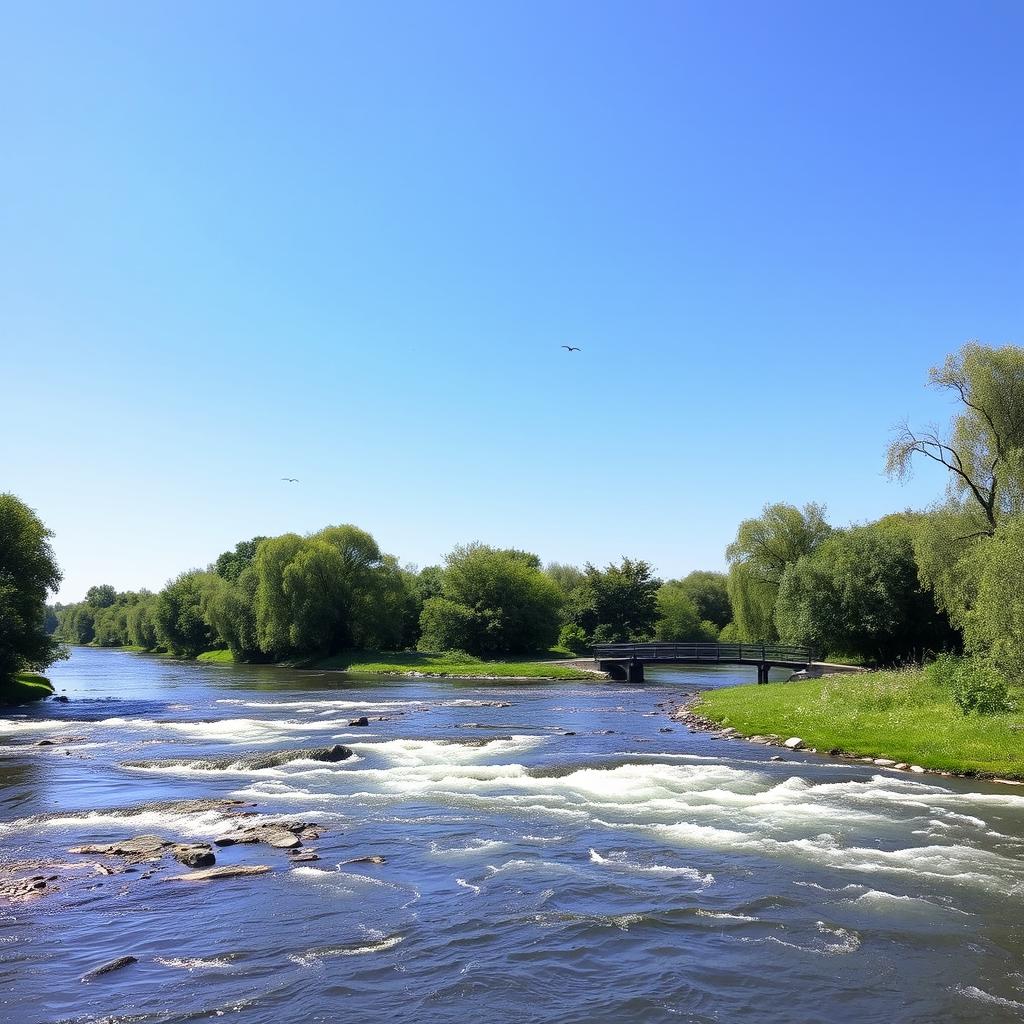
(793, 743)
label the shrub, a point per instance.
(573, 638)
(975, 686)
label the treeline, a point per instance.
(291, 597)
(901, 589)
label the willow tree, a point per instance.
(758, 558)
(983, 449)
(982, 452)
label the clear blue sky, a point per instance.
(241, 241)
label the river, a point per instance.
(623, 873)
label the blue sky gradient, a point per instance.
(345, 242)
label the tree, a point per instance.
(858, 593)
(325, 592)
(229, 609)
(28, 572)
(178, 615)
(993, 618)
(709, 591)
(758, 557)
(568, 577)
(616, 604)
(983, 451)
(142, 623)
(102, 596)
(494, 601)
(678, 616)
(231, 564)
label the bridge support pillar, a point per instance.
(762, 672)
(636, 671)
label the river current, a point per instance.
(552, 854)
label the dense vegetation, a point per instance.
(28, 571)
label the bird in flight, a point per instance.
(572, 348)
(290, 479)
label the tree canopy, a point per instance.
(758, 558)
(28, 572)
(493, 601)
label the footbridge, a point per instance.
(626, 661)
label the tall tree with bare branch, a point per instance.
(983, 451)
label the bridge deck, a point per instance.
(783, 655)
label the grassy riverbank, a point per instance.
(25, 687)
(448, 664)
(900, 715)
(453, 664)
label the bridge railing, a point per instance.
(705, 652)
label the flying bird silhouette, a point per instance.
(572, 348)
(291, 479)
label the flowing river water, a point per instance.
(551, 855)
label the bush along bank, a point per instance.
(25, 687)
(954, 717)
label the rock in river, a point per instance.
(230, 871)
(113, 965)
(252, 761)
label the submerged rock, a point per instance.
(250, 761)
(375, 858)
(113, 965)
(230, 871)
(359, 721)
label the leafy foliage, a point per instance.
(494, 601)
(28, 572)
(858, 593)
(616, 604)
(679, 618)
(758, 558)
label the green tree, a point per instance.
(28, 572)
(709, 591)
(858, 593)
(618, 603)
(231, 564)
(507, 604)
(142, 623)
(993, 617)
(102, 596)
(178, 615)
(326, 592)
(679, 618)
(758, 557)
(229, 609)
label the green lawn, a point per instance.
(25, 687)
(900, 715)
(448, 665)
(218, 657)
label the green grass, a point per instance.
(25, 687)
(457, 664)
(217, 657)
(901, 715)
